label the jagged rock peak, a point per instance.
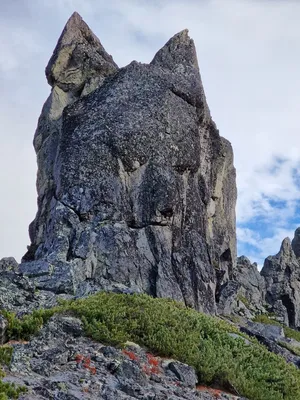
(77, 56)
(282, 276)
(136, 187)
(180, 57)
(286, 248)
(296, 242)
(179, 50)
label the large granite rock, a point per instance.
(282, 277)
(296, 243)
(244, 294)
(252, 283)
(136, 188)
(273, 338)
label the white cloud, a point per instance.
(260, 247)
(16, 47)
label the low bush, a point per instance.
(5, 355)
(289, 332)
(168, 328)
(294, 349)
(266, 319)
(7, 390)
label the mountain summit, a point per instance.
(136, 188)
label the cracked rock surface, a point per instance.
(282, 275)
(136, 188)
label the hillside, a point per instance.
(131, 288)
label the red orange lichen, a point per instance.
(85, 362)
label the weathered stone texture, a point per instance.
(282, 276)
(245, 293)
(136, 187)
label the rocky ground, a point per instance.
(60, 363)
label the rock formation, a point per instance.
(136, 193)
(296, 243)
(275, 289)
(136, 188)
(282, 277)
(245, 292)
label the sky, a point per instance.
(249, 59)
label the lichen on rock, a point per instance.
(136, 188)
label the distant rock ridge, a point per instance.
(274, 290)
(282, 277)
(136, 188)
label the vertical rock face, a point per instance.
(252, 283)
(296, 243)
(282, 277)
(79, 64)
(136, 188)
(245, 293)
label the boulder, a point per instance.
(184, 373)
(8, 264)
(271, 332)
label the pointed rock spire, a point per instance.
(179, 56)
(296, 242)
(78, 56)
(179, 50)
(286, 248)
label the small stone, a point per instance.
(8, 264)
(184, 373)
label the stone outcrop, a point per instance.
(245, 293)
(282, 277)
(275, 289)
(19, 294)
(273, 338)
(296, 243)
(136, 188)
(252, 283)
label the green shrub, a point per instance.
(266, 319)
(244, 300)
(294, 349)
(291, 333)
(8, 390)
(5, 355)
(168, 328)
(23, 328)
